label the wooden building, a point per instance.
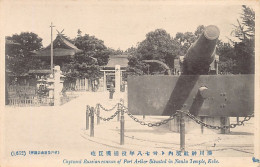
(63, 49)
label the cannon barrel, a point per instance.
(201, 53)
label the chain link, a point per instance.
(109, 118)
(150, 124)
(198, 121)
(103, 108)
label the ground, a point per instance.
(63, 129)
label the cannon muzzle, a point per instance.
(201, 53)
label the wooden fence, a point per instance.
(78, 85)
(29, 101)
(26, 96)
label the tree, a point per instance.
(119, 52)
(246, 29)
(158, 45)
(245, 49)
(245, 55)
(238, 57)
(186, 39)
(18, 59)
(227, 61)
(130, 51)
(116, 52)
(136, 66)
(81, 67)
(79, 33)
(87, 64)
(94, 48)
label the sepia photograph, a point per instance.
(129, 83)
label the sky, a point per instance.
(119, 24)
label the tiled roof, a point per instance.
(121, 60)
(68, 44)
(61, 47)
(56, 52)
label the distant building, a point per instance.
(109, 70)
(121, 60)
(62, 50)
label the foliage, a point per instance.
(131, 51)
(240, 56)
(81, 67)
(114, 52)
(245, 55)
(246, 29)
(28, 41)
(118, 52)
(227, 62)
(186, 39)
(158, 45)
(87, 64)
(245, 50)
(94, 48)
(18, 60)
(136, 66)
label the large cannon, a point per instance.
(201, 53)
(194, 90)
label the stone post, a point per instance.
(50, 82)
(57, 86)
(117, 78)
(105, 81)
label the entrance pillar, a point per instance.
(117, 78)
(105, 81)
(57, 86)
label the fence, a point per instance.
(30, 101)
(21, 91)
(78, 85)
(23, 96)
(84, 85)
(122, 110)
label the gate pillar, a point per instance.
(117, 78)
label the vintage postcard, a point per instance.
(129, 83)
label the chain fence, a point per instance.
(198, 121)
(103, 108)
(150, 124)
(123, 108)
(108, 118)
